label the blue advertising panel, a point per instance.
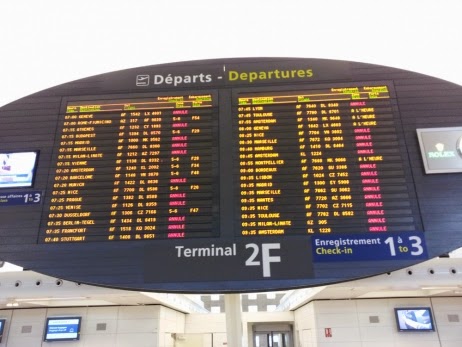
(62, 329)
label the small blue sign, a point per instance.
(62, 329)
(359, 247)
(20, 198)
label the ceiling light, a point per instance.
(441, 288)
(52, 299)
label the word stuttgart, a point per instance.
(252, 76)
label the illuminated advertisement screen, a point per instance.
(17, 169)
(414, 319)
(231, 175)
(441, 149)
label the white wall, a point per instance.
(304, 326)
(215, 324)
(450, 333)
(153, 326)
(205, 323)
(126, 326)
(210, 329)
(171, 322)
(349, 321)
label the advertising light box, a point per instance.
(17, 169)
(231, 175)
(441, 149)
(414, 319)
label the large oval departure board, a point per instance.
(232, 175)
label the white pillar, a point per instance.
(233, 320)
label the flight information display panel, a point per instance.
(320, 161)
(134, 169)
(231, 175)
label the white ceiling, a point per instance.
(436, 277)
(26, 289)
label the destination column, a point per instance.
(131, 211)
(82, 157)
(325, 170)
(268, 157)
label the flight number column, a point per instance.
(324, 166)
(134, 200)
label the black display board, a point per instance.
(228, 175)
